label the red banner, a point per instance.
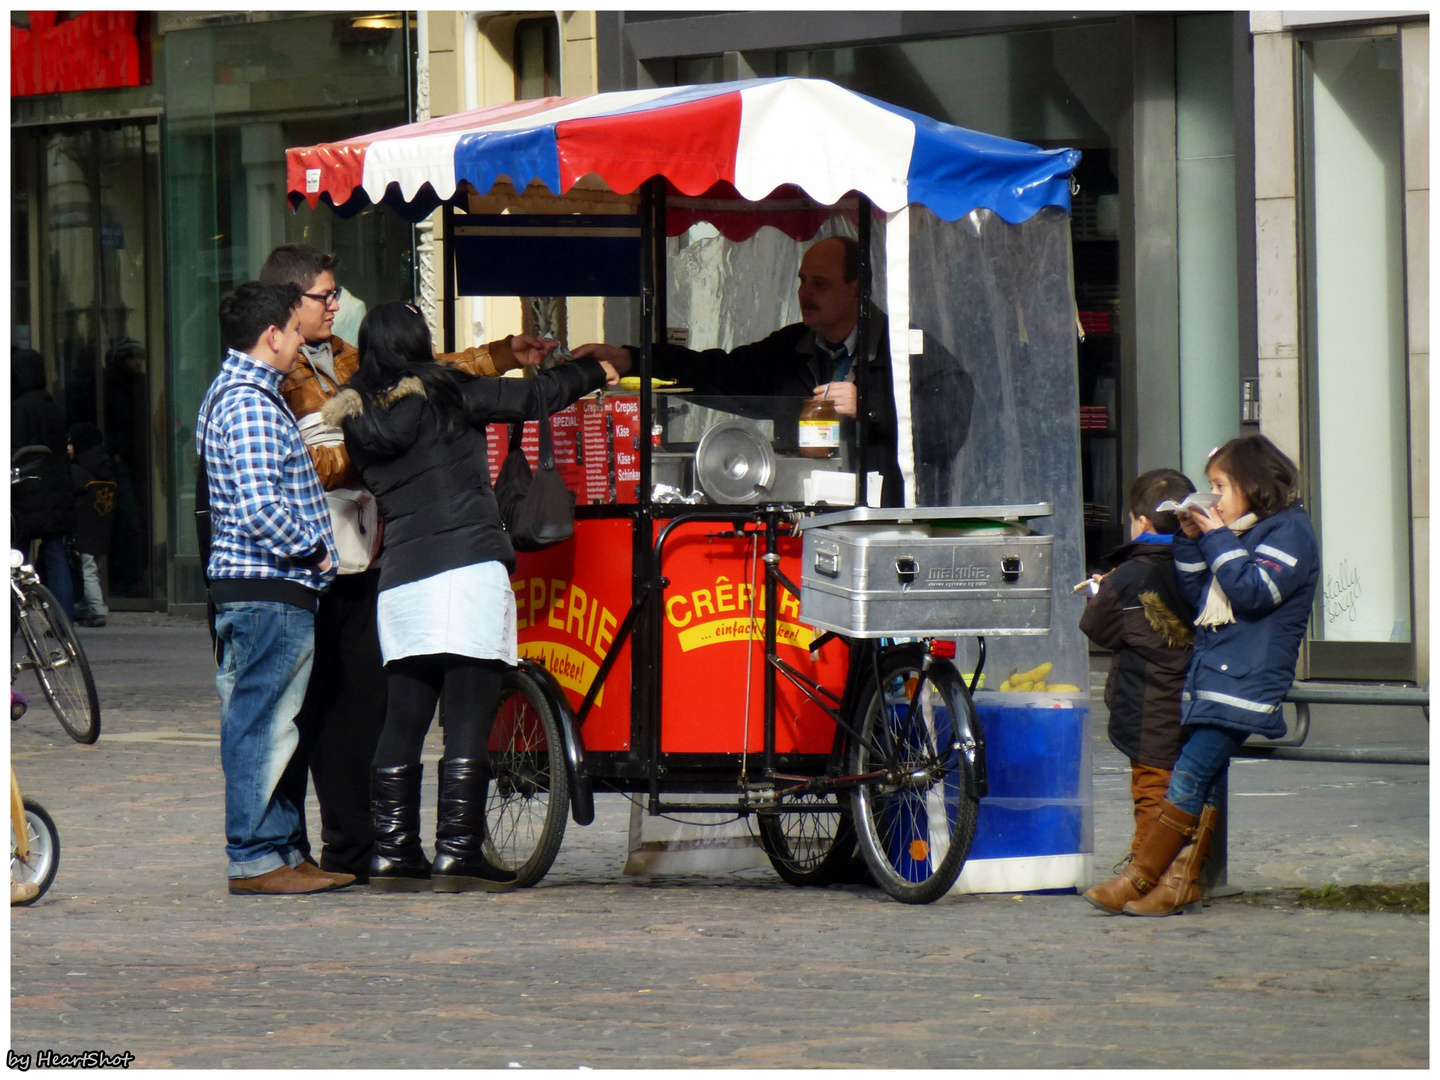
(94, 50)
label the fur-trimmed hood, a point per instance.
(380, 430)
(348, 402)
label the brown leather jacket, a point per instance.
(306, 392)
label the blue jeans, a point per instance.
(1198, 778)
(265, 667)
(54, 570)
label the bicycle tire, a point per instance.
(44, 861)
(529, 799)
(61, 666)
(808, 850)
(916, 824)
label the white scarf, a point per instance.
(1217, 611)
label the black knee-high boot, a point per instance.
(398, 863)
(460, 863)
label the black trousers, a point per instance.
(467, 691)
(340, 723)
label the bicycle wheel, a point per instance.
(808, 849)
(915, 815)
(529, 797)
(44, 859)
(60, 664)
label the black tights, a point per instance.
(468, 691)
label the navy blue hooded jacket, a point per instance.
(1241, 671)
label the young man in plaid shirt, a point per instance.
(272, 555)
(344, 709)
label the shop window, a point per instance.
(238, 95)
(1355, 341)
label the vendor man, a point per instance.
(812, 357)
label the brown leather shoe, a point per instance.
(1171, 828)
(1178, 890)
(311, 868)
(285, 881)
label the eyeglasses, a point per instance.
(326, 298)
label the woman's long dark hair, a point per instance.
(395, 344)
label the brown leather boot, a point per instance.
(1148, 786)
(1168, 832)
(1178, 889)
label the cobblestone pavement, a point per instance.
(138, 947)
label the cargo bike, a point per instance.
(733, 624)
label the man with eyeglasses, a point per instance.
(344, 707)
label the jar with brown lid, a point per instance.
(819, 429)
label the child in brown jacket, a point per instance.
(1138, 612)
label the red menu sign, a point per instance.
(92, 50)
(597, 448)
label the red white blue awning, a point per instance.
(754, 137)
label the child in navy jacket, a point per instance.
(1249, 566)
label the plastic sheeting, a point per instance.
(993, 396)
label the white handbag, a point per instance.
(354, 517)
(356, 523)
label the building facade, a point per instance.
(1250, 233)
(1250, 243)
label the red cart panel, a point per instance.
(709, 638)
(569, 602)
(569, 606)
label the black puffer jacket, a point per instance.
(434, 494)
(44, 506)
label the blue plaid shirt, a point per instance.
(268, 514)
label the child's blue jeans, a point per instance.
(1199, 775)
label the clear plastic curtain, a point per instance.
(993, 396)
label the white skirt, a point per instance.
(468, 611)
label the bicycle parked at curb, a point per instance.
(51, 649)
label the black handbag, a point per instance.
(538, 509)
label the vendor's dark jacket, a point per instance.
(44, 506)
(92, 475)
(434, 493)
(1243, 669)
(788, 363)
(1141, 615)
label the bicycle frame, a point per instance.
(22, 574)
(763, 793)
(18, 829)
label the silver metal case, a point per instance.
(926, 572)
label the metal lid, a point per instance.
(900, 514)
(734, 463)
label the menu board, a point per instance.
(597, 448)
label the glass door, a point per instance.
(1356, 355)
(90, 301)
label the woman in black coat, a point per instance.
(415, 431)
